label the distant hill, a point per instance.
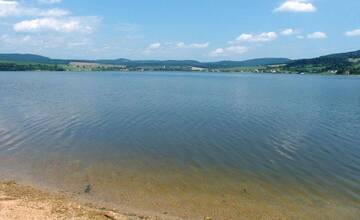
(249, 63)
(24, 58)
(354, 54)
(138, 63)
(30, 58)
(194, 63)
(340, 63)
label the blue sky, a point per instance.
(179, 29)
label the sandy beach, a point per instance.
(19, 202)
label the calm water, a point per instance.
(192, 145)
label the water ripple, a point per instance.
(277, 130)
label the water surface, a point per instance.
(191, 145)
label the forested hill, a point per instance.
(340, 63)
(30, 58)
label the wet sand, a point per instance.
(21, 202)
(162, 195)
(18, 202)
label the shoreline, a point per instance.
(325, 74)
(25, 201)
(19, 202)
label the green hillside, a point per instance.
(341, 63)
(30, 58)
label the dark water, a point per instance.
(192, 144)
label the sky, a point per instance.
(205, 30)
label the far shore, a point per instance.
(180, 71)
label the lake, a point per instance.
(229, 146)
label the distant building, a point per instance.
(199, 69)
(84, 64)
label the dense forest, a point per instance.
(342, 63)
(30, 67)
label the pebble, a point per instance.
(87, 189)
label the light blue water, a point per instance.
(290, 135)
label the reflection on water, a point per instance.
(189, 144)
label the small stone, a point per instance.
(88, 189)
(207, 218)
(110, 216)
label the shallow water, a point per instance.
(192, 145)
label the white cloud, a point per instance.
(14, 8)
(288, 32)
(193, 45)
(263, 37)
(64, 25)
(50, 1)
(296, 6)
(353, 33)
(55, 12)
(48, 44)
(236, 48)
(229, 51)
(200, 45)
(181, 45)
(177, 45)
(45, 29)
(8, 8)
(317, 35)
(154, 46)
